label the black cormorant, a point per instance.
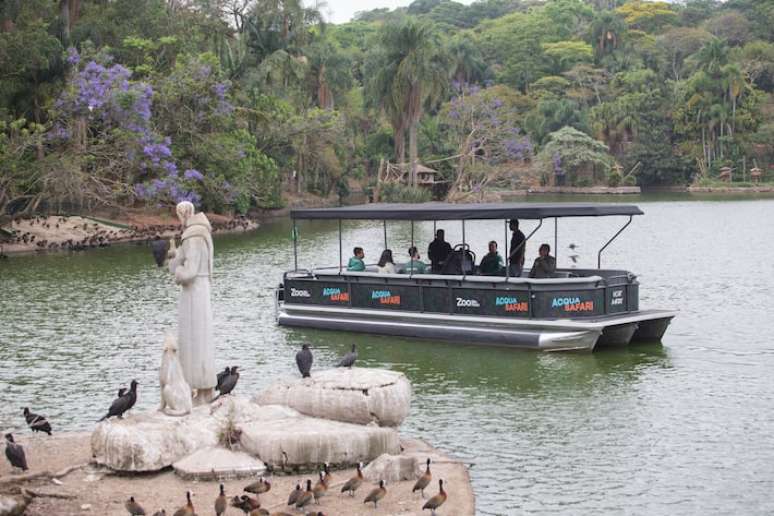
(304, 361)
(349, 359)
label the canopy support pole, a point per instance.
(385, 233)
(599, 254)
(340, 249)
(295, 246)
(556, 239)
(411, 258)
(463, 249)
(507, 268)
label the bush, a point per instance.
(614, 178)
(394, 192)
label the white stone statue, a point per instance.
(175, 391)
(192, 267)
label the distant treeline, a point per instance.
(228, 103)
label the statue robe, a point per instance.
(192, 267)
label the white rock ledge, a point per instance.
(356, 395)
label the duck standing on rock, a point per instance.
(259, 487)
(36, 422)
(134, 508)
(123, 403)
(437, 500)
(228, 383)
(304, 361)
(376, 494)
(353, 483)
(221, 502)
(306, 497)
(188, 508)
(349, 359)
(423, 481)
(15, 453)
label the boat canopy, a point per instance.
(450, 211)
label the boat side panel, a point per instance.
(651, 330)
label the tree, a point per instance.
(413, 73)
(678, 44)
(468, 65)
(551, 115)
(568, 53)
(571, 153)
(607, 31)
(731, 26)
(647, 16)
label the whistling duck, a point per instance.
(437, 500)
(293, 498)
(349, 359)
(134, 508)
(304, 361)
(36, 422)
(353, 483)
(423, 481)
(221, 502)
(188, 508)
(306, 497)
(320, 488)
(328, 476)
(259, 487)
(376, 494)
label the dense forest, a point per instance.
(233, 104)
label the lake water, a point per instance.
(686, 427)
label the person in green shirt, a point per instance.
(356, 263)
(492, 263)
(415, 265)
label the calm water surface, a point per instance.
(686, 427)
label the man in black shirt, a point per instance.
(438, 250)
(516, 251)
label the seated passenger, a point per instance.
(386, 265)
(545, 264)
(356, 263)
(438, 250)
(492, 263)
(415, 265)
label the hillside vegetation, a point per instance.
(229, 103)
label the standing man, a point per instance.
(438, 250)
(516, 252)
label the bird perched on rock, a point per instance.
(36, 422)
(123, 403)
(320, 488)
(228, 383)
(293, 498)
(349, 359)
(221, 502)
(134, 508)
(259, 487)
(437, 500)
(306, 497)
(304, 361)
(423, 481)
(15, 453)
(159, 248)
(220, 376)
(376, 494)
(188, 508)
(353, 483)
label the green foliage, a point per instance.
(583, 159)
(394, 192)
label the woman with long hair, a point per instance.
(386, 265)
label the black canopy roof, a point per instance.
(447, 211)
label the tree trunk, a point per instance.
(400, 145)
(64, 18)
(413, 153)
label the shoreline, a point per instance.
(89, 489)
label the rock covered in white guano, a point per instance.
(356, 395)
(391, 468)
(216, 463)
(277, 435)
(13, 505)
(291, 440)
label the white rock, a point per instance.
(391, 468)
(218, 463)
(279, 436)
(356, 395)
(13, 505)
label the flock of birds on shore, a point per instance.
(101, 237)
(299, 498)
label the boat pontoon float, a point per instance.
(577, 309)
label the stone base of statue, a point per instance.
(279, 436)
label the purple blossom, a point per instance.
(557, 162)
(73, 57)
(194, 175)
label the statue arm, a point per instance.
(188, 268)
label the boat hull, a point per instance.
(536, 334)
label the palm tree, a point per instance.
(467, 62)
(607, 29)
(414, 73)
(712, 56)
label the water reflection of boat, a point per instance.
(576, 309)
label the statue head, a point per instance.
(184, 210)
(170, 343)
